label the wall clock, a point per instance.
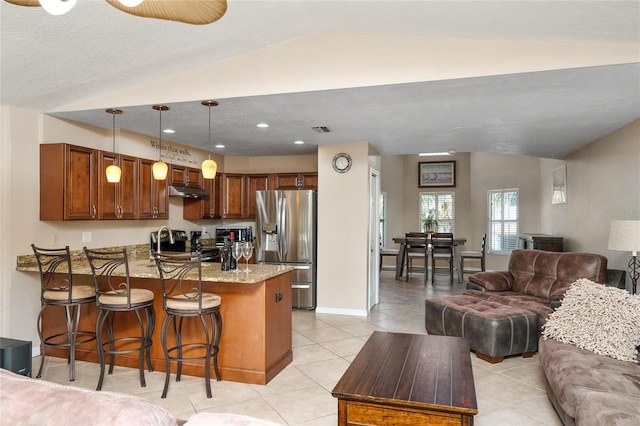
(341, 162)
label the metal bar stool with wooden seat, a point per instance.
(182, 295)
(416, 249)
(475, 256)
(57, 289)
(110, 269)
(442, 251)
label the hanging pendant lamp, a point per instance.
(160, 168)
(209, 167)
(113, 171)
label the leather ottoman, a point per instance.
(493, 330)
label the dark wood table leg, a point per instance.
(400, 261)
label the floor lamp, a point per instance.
(625, 236)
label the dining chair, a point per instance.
(57, 289)
(184, 298)
(442, 250)
(110, 270)
(473, 256)
(416, 249)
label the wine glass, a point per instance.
(236, 252)
(247, 251)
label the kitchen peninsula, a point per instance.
(256, 315)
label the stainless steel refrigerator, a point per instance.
(286, 232)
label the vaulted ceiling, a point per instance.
(533, 78)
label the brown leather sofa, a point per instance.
(501, 313)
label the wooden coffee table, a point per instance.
(408, 379)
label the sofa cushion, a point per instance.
(541, 273)
(600, 408)
(534, 304)
(27, 401)
(572, 373)
(598, 318)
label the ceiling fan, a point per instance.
(197, 12)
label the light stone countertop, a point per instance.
(142, 266)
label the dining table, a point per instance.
(402, 253)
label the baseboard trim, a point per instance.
(340, 311)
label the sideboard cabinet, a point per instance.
(539, 242)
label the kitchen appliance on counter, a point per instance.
(286, 233)
(179, 244)
(244, 233)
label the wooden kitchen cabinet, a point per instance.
(295, 181)
(118, 200)
(184, 176)
(68, 185)
(153, 197)
(204, 208)
(233, 196)
(255, 183)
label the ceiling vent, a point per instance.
(321, 129)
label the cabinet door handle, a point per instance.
(93, 212)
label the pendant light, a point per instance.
(113, 171)
(209, 167)
(160, 168)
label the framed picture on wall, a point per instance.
(441, 174)
(559, 188)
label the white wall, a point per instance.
(343, 246)
(603, 184)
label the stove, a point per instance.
(179, 245)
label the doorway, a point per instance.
(373, 279)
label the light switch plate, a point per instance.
(86, 237)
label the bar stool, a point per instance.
(182, 296)
(57, 289)
(473, 255)
(110, 269)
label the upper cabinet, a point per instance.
(295, 181)
(73, 186)
(118, 200)
(204, 208)
(153, 196)
(233, 196)
(68, 185)
(184, 176)
(255, 183)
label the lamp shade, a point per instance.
(160, 170)
(113, 173)
(209, 169)
(625, 235)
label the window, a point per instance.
(383, 217)
(440, 206)
(503, 220)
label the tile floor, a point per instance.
(509, 393)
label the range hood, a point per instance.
(187, 192)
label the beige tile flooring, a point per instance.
(508, 393)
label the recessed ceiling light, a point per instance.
(262, 125)
(168, 131)
(299, 142)
(219, 145)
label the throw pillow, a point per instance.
(598, 318)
